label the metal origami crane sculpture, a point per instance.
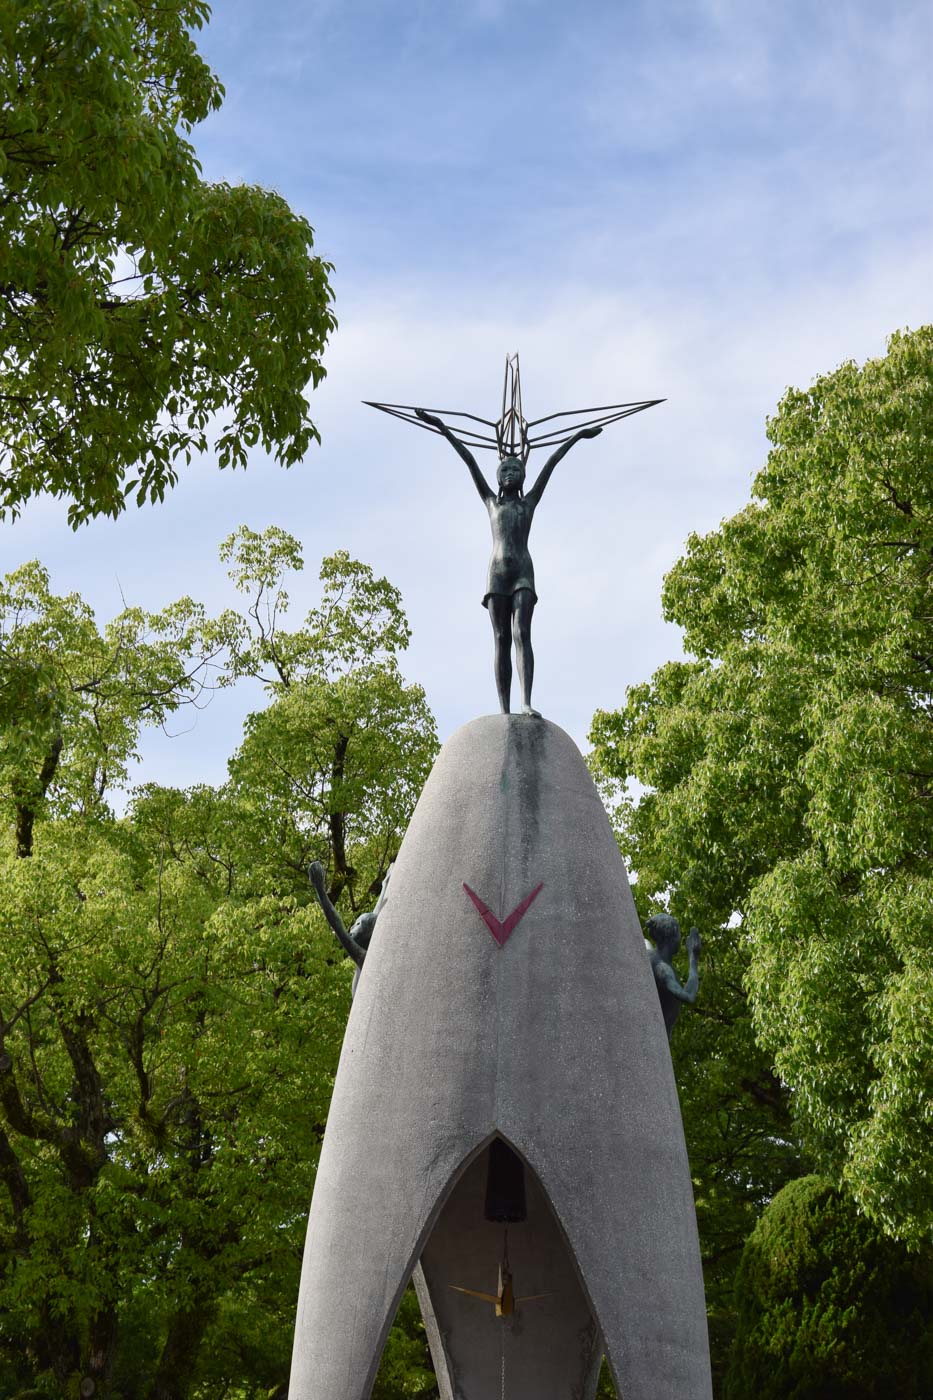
(512, 435)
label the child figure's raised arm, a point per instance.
(544, 476)
(479, 481)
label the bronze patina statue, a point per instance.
(510, 587)
(355, 943)
(665, 930)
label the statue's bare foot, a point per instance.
(527, 710)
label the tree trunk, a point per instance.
(343, 872)
(102, 1345)
(26, 809)
(172, 1380)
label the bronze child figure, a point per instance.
(665, 930)
(510, 593)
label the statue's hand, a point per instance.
(430, 418)
(694, 943)
(589, 432)
(316, 876)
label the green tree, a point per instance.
(742, 1143)
(830, 1309)
(770, 804)
(332, 769)
(73, 698)
(172, 1003)
(406, 1370)
(789, 764)
(137, 301)
(166, 1065)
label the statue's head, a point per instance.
(664, 930)
(362, 930)
(511, 474)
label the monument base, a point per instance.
(507, 992)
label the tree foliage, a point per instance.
(137, 302)
(167, 1053)
(171, 1001)
(789, 764)
(742, 1142)
(830, 1309)
(74, 698)
(332, 769)
(406, 1370)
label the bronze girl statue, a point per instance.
(510, 587)
(510, 595)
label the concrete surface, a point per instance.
(555, 1041)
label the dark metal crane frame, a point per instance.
(511, 435)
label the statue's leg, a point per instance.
(500, 613)
(523, 605)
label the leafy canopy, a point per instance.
(332, 769)
(742, 1142)
(168, 1047)
(143, 311)
(789, 767)
(73, 697)
(172, 1001)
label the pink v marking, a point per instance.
(501, 930)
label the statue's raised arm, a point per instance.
(479, 481)
(537, 491)
(353, 946)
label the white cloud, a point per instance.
(735, 216)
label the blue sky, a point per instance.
(700, 201)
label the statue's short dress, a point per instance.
(510, 566)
